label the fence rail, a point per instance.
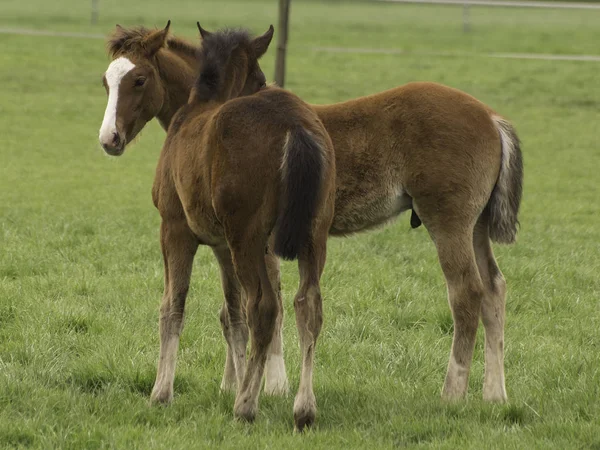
(502, 3)
(466, 4)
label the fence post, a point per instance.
(282, 36)
(466, 24)
(94, 12)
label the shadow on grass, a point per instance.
(8, 313)
(415, 419)
(142, 383)
(95, 380)
(15, 438)
(75, 324)
(419, 418)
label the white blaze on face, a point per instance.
(114, 74)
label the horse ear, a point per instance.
(203, 33)
(261, 43)
(156, 40)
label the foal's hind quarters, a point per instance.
(237, 175)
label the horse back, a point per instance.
(272, 109)
(420, 139)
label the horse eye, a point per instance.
(140, 81)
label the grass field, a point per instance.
(81, 271)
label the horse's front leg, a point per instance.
(179, 246)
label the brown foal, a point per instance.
(445, 155)
(151, 75)
(236, 169)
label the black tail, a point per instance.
(302, 173)
(506, 197)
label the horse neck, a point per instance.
(209, 97)
(178, 71)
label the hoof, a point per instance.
(245, 410)
(228, 386)
(495, 397)
(163, 397)
(305, 411)
(452, 393)
(452, 397)
(303, 421)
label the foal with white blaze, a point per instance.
(139, 82)
(151, 75)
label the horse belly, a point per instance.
(207, 234)
(362, 212)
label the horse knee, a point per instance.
(173, 307)
(467, 310)
(262, 315)
(466, 301)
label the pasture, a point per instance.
(81, 272)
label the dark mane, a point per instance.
(213, 56)
(124, 40)
(131, 41)
(182, 46)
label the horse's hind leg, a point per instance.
(179, 246)
(454, 244)
(235, 329)
(261, 312)
(276, 382)
(309, 319)
(233, 322)
(492, 313)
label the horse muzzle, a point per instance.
(114, 145)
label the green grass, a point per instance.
(81, 271)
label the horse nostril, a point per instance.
(116, 140)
